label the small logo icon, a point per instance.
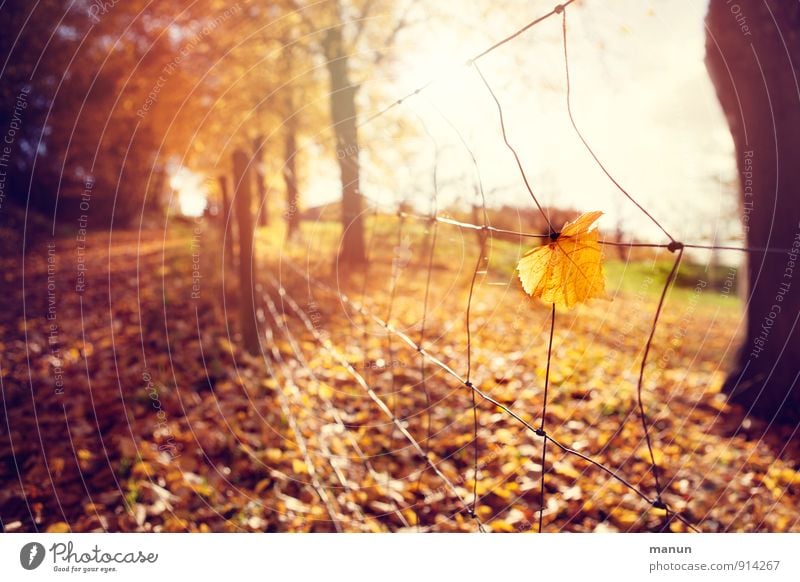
(31, 555)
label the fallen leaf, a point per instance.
(569, 269)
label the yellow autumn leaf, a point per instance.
(502, 526)
(569, 269)
(625, 518)
(325, 391)
(274, 455)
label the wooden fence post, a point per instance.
(261, 187)
(290, 180)
(244, 217)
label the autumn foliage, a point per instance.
(166, 424)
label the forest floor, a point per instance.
(129, 405)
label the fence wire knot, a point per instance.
(675, 246)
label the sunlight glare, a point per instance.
(191, 190)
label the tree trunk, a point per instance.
(244, 216)
(290, 179)
(752, 54)
(343, 115)
(261, 186)
(226, 222)
(157, 195)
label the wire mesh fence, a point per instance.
(650, 490)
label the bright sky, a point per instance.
(190, 192)
(640, 94)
